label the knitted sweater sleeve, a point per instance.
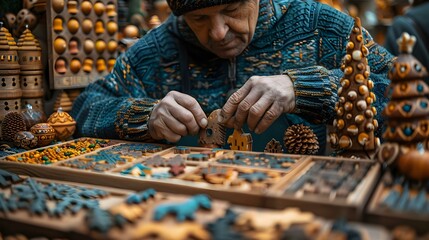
(316, 86)
(117, 106)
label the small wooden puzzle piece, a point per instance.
(223, 228)
(217, 175)
(8, 178)
(176, 170)
(178, 231)
(214, 134)
(263, 221)
(182, 150)
(273, 146)
(138, 170)
(240, 141)
(156, 161)
(183, 211)
(99, 220)
(139, 197)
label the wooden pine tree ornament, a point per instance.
(407, 115)
(355, 124)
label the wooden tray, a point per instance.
(323, 202)
(379, 214)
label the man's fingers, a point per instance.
(258, 110)
(269, 117)
(194, 107)
(175, 126)
(230, 107)
(185, 117)
(244, 107)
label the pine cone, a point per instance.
(12, 123)
(300, 139)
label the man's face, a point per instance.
(225, 30)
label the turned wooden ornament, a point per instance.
(355, 123)
(64, 102)
(25, 139)
(407, 115)
(63, 124)
(44, 133)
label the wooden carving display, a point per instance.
(30, 60)
(407, 114)
(82, 40)
(355, 123)
(10, 91)
(214, 134)
(240, 141)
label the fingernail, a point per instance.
(219, 118)
(203, 122)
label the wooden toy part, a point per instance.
(86, 7)
(72, 6)
(87, 65)
(73, 47)
(88, 46)
(177, 231)
(25, 139)
(73, 25)
(131, 31)
(214, 134)
(60, 45)
(75, 65)
(99, 8)
(240, 141)
(58, 5)
(60, 66)
(58, 24)
(87, 26)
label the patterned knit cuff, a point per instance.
(315, 92)
(132, 119)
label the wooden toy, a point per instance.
(63, 124)
(240, 141)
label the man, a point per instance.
(276, 57)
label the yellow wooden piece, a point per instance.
(240, 141)
(179, 231)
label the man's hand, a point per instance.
(260, 101)
(176, 115)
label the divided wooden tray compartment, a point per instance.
(392, 218)
(329, 206)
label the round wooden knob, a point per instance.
(75, 65)
(88, 46)
(58, 5)
(86, 7)
(99, 8)
(60, 45)
(73, 25)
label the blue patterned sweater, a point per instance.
(303, 39)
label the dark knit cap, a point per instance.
(180, 7)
